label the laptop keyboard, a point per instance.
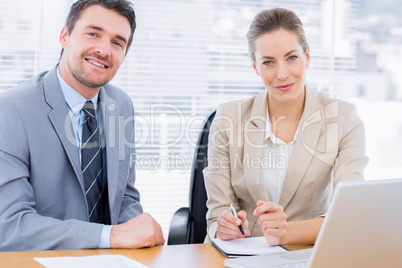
(300, 264)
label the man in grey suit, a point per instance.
(45, 198)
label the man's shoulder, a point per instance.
(26, 91)
(116, 93)
(119, 99)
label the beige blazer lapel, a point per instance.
(254, 134)
(306, 142)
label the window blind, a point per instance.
(187, 57)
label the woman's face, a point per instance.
(281, 64)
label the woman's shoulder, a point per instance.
(334, 108)
(325, 101)
(244, 105)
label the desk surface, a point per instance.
(196, 255)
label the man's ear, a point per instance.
(63, 37)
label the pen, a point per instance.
(233, 211)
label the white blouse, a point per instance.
(274, 163)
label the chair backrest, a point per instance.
(198, 194)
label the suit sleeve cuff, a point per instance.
(212, 232)
(105, 236)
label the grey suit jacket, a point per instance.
(42, 201)
(329, 148)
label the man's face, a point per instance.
(94, 50)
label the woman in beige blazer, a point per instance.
(278, 156)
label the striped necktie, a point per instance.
(92, 168)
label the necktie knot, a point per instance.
(89, 111)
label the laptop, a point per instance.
(363, 228)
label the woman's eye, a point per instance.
(292, 57)
(268, 62)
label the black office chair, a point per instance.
(189, 225)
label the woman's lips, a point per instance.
(285, 88)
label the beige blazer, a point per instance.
(329, 148)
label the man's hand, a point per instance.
(141, 231)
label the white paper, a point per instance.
(247, 246)
(96, 261)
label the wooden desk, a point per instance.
(196, 255)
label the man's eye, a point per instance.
(92, 34)
(118, 44)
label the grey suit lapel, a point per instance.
(254, 133)
(110, 113)
(61, 120)
(303, 152)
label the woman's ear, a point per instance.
(307, 54)
(255, 67)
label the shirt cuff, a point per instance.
(105, 236)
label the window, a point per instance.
(188, 56)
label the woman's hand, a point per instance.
(228, 225)
(272, 220)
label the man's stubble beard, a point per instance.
(79, 74)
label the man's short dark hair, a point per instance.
(122, 7)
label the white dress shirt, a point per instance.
(75, 102)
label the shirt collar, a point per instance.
(270, 134)
(268, 130)
(268, 127)
(74, 100)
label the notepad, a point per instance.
(98, 261)
(246, 247)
